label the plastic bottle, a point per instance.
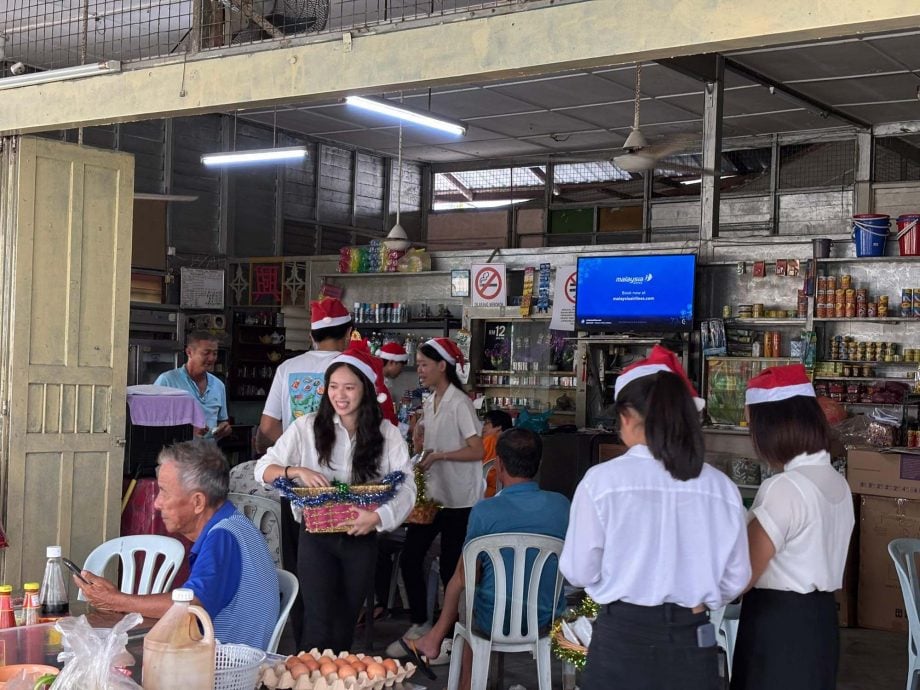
(7, 618)
(30, 603)
(53, 595)
(176, 655)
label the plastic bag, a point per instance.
(414, 261)
(538, 423)
(94, 661)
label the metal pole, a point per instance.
(712, 158)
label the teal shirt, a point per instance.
(213, 401)
(518, 508)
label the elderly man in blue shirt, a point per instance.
(195, 377)
(232, 573)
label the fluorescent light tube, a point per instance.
(92, 69)
(288, 153)
(401, 112)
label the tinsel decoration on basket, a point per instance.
(332, 508)
(564, 649)
(425, 509)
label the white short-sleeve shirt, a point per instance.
(807, 511)
(298, 386)
(640, 536)
(452, 483)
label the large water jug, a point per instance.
(176, 654)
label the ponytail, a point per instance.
(672, 424)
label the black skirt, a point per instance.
(650, 648)
(786, 640)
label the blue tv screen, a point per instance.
(635, 293)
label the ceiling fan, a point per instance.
(640, 156)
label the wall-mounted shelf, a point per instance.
(867, 259)
(874, 363)
(868, 319)
(873, 379)
(450, 322)
(388, 274)
(740, 321)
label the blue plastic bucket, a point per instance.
(870, 233)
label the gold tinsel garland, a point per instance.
(573, 654)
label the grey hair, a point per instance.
(201, 466)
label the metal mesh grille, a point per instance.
(821, 164)
(48, 35)
(897, 159)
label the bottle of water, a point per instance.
(53, 595)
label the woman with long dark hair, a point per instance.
(656, 536)
(799, 531)
(346, 439)
(453, 462)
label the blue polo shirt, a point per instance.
(518, 508)
(234, 578)
(213, 401)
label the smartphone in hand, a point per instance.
(75, 569)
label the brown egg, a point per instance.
(375, 670)
(303, 656)
(327, 667)
(291, 661)
(297, 670)
(359, 665)
(351, 658)
(311, 664)
(390, 665)
(346, 671)
(340, 662)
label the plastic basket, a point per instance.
(237, 667)
(334, 515)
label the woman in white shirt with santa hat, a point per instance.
(799, 532)
(656, 536)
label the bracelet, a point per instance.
(286, 468)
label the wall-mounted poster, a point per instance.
(201, 288)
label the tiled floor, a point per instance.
(870, 660)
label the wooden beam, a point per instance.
(516, 41)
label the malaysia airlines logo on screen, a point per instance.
(635, 280)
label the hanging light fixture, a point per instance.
(407, 114)
(397, 239)
(289, 153)
(63, 74)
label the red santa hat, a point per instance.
(394, 352)
(359, 356)
(659, 359)
(448, 350)
(328, 312)
(779, 383)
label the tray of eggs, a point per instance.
(315, 670)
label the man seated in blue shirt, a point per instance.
(521, 506)
(195, 377)
(232, 573)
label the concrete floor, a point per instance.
(869, 659)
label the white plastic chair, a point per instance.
(265, 514)
(289, 586)
(154, 578)
(904, 554)
(486, 468)
(515, 641)
(725, 620)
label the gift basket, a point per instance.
(425, 508)
(571, 633)
(333, 508)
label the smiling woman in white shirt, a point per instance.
(799, 533)
(346, 439)
(656, 536)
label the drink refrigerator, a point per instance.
(154, 343)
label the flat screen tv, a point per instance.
(638, 294)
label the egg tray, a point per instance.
(275, 675)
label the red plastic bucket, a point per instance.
(909, 234)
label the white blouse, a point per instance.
(807, 511)
(452, 483)
(640, 536)
(297, 448)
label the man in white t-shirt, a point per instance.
(298, 384)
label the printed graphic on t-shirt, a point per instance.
(305, 389)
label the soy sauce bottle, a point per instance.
(53, 595)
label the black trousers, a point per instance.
(650, 648)
(335, 572)
(290, 536)
(786, 640)
(450, 523)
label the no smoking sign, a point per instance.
(489, 285)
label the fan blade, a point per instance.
(680, 167)
(671, 145)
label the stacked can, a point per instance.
(802, 305)
(772, 344)
(907, 302)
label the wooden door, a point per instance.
(65, 229)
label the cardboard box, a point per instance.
(896, 475)
(880, 603)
